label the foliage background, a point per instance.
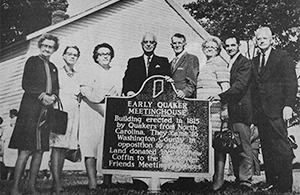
(242, 17)
(22, 17)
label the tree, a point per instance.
(224, 17)
(22, 17)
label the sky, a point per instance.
(78, 6)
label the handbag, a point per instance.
(226, 139)
(57, 119)
(73, 155)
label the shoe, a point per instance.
(245, 188)
(267, 187)
(220, 189)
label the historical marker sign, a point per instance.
(156, 131)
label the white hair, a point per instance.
(150, 34)
(267, 30)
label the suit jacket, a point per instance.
(185, 74)
(135, 75)
(276, 86)
(238, 95)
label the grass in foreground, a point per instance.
(74, 183)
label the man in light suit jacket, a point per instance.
(273, 90)
(184, 72)
(238, 98)
(184, 68)
(140, 68)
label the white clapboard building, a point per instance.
(121, 23)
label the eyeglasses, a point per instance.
(47, 46)
(210, 47)
(104, 54)
(151, 42)
(72, 54)
(177, 43)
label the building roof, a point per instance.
(105, 3)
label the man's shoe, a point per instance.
(245, 188)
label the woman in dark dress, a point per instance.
(30, 136)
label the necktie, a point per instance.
(147, 65)
(148, 61)
(263, 61)
(174, 61)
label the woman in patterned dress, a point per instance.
(68, 93)
(213, 79)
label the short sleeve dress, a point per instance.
(68, 91)
(212, 74)
(10, 155)
(103, 82)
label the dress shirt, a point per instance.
(180, 55)
(232, 60)
(267, 54)
(146, 62)
(176, 59)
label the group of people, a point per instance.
(81, 95)
(261, 91)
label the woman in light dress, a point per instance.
(10, 155)
(68, 93)
(96, 83)
(213, 79)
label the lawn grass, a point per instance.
(76, 183)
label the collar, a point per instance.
(146, 57)
(43, 58)
(181, 54)
(233, 59)
(70, 71)
(267, 52)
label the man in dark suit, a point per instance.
(140, 68)
(239, 111)
(273, 90)
(184, 68)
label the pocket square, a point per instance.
(157, 66)
(180, 68)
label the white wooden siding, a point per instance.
(121, 24)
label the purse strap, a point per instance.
(60, 106)
(222, 124)
(228, 125)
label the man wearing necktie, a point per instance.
(184, 72)
(185, 68)
(273, 90)
(147, 65)
(239, 111)
(262, 62)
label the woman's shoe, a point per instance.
(220, 189)
(218, 184)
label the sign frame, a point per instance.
(155, 179)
